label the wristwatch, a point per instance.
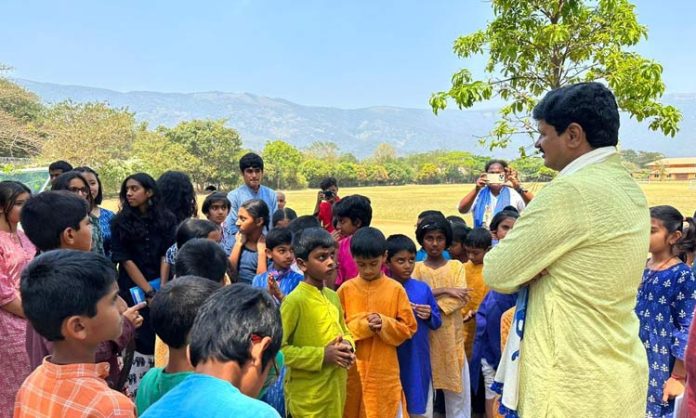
(521, 190)
(150, 294)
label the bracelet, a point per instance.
(677, 377)
(520, 190)
(151, 293)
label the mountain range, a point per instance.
(259, 119)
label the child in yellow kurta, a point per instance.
(380, 318)
(317, 345)
(447, 279)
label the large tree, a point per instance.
(20, 112)
(537, 45)
(216, 146)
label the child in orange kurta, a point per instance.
(380, 318)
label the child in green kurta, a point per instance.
(317, 345)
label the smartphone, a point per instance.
(497, 178)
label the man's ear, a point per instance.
(576, 136)
(74, 328)
(269, 252)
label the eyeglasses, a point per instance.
(79, 190)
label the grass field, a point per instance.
(395, 208)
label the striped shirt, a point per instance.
(71, 390)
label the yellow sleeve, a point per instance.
(298, 357)
(553, 224)
(399, 329)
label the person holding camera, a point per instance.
(495, 189)
(326, 198)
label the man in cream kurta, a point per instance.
(580, 246)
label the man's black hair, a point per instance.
(501, 163)
(285, 213)
(479, 238)
(194, 228)
(203, 258)
(63, 283)
(45, 216)
(355, 207)
(590, 105)
(434, 223)
(228, 320)
(399, 242)
(311, 239)
(459, 233)
(175, 306)
(278, 236)
(298, 225)
(216, 197)
(250, 160)
(328, 182)
(60, 165)
(368, 242)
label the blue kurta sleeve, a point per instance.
(682, 310)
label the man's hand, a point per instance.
(375, 322)
(512, 177)
(482, 181)
(339, 353)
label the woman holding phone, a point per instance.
(327, 196)
(495, 189)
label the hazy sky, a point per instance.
(344, 54)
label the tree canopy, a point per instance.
(534, 46)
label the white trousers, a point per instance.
(458, 405)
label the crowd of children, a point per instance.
(257, 312)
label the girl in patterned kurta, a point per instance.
(666, 301)
(103, 215)
(15, 252)
(447, 279)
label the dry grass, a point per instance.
(395, 208)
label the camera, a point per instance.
(328, 194)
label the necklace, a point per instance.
(664, 263)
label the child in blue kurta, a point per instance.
(666, 301)
(279, 280)
(414, 354)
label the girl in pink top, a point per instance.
(352, 213)
(15, 252)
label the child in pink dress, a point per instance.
(15, 252)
